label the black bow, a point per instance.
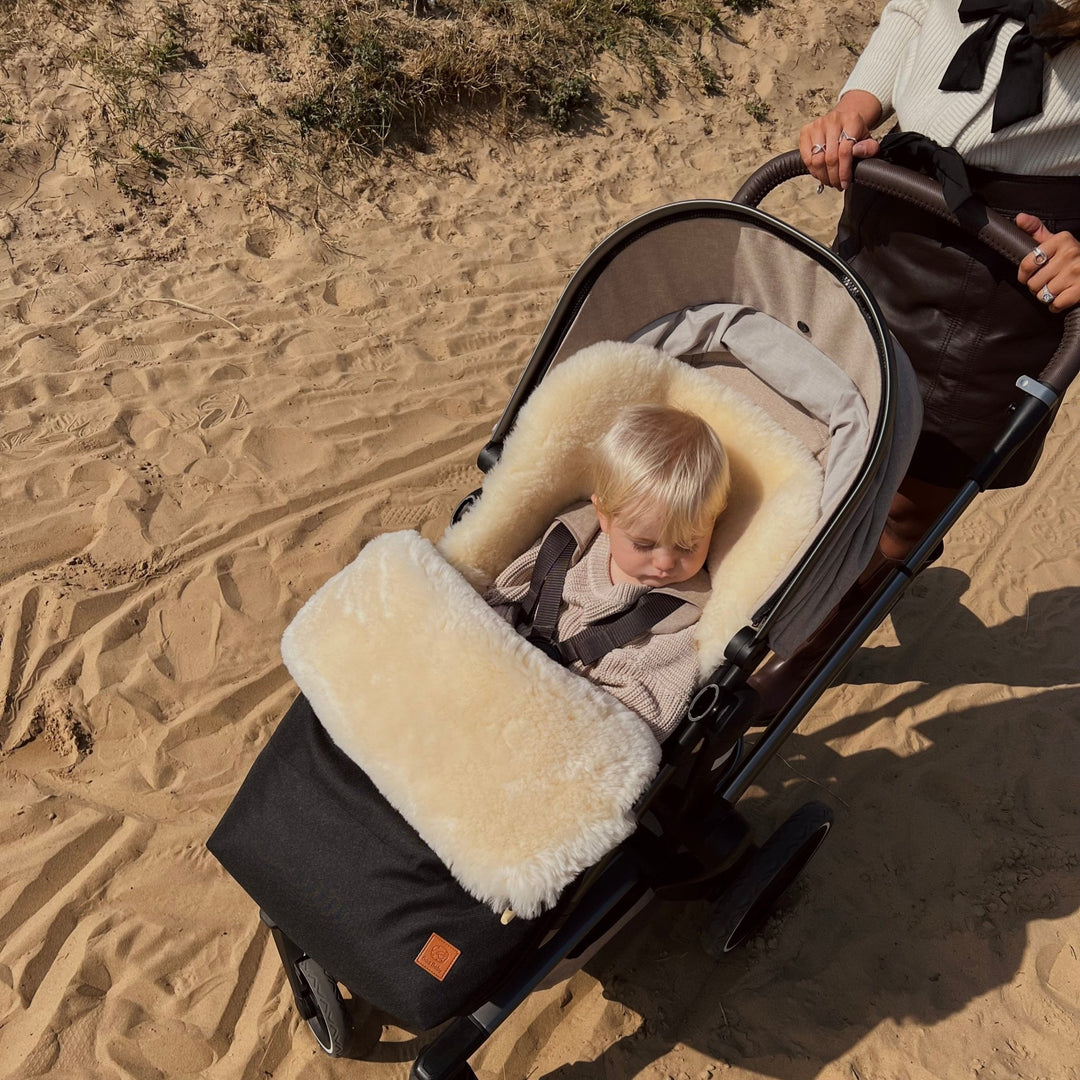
(1020, 92)
(919, 152)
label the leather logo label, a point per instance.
(437, 957)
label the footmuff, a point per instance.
(438, 773)
(311, 840)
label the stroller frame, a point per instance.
(692, 842)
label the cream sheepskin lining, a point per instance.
(546, 465)
(516, 772)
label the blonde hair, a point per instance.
(657, 457)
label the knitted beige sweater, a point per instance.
(655, 674)
(905, 59)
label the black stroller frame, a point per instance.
(691, 841)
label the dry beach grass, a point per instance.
(230, 357)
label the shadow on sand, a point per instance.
(953, 835)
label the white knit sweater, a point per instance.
(905, 60)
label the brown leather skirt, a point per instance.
(969, 327)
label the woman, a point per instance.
(998, 82)
(986, 95)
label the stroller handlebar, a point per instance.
(999, 234)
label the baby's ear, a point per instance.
(605, 521)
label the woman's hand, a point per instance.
(828, 143)
(1052, 270)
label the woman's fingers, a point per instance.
(812, 145)
(1063, 294)
(827, 146)
(865, 148)
(1036, 259)
(809, 143)
(1067, 298)
(829, 143)
(1052, 269)
(847, 138)
(835, 150)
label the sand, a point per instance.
(207, 406)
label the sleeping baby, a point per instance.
(615, 585)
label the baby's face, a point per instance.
(639, 558)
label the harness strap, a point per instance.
(538, 612)
(589, 645)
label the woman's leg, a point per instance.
(915, 507)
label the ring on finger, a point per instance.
(845, 137)
(817, 148)
(1046, 296)
(1040, 256)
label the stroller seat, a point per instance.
(517, 772)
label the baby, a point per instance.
(614, 587)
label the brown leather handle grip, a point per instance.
(999, 233)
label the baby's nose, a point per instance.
(664, 559)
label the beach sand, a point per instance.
(208, 405)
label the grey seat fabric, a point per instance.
(791, 366)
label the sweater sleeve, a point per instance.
(510, 587)
(879, 64)
(653, 675)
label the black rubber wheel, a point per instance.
(330, 1025)
(464, 507)
(764, 877)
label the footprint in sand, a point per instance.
(458, 477)
(188, 627)
(120, 354)
(261, 242)
(173, 1048)
(458, 408)
(220, 407)
(248, 585)
(45, 352)
(400, 517)
(1058, 970)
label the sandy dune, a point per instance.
(175, 482)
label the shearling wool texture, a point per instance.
(547, 461)
(516, 772)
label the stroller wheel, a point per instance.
(464, 507)
(330, 1023)
(764, 877)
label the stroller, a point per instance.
(709, 303)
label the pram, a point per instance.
(681, 278)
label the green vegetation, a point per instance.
(332, 78)
(395, 71)
(711, 83)
(759, 110)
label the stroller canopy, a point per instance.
(778, 317)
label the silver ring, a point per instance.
(850, 138)
(1046, 296)
(1040, 256)
(817, 148)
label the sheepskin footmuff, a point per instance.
(516, 772)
